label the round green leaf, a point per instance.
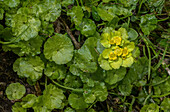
(28, 101)
(116, 64)
(29, 67)
(15, 91)
(125, 88)
(65, 3)
(17, 107)
(150, 108)
(114, 76)
(59, 49)
(1, 14)
(25, 26)
(87, 27)
(54, 71)
(128, 62)
(53, 97)
(12, 3)
(76, 14)
(77, 101)
(165, 105)
(132, 34)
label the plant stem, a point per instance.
(81, 2)
(77, 2)
(140, 6)
(163, 19)
(162, 81)
(76, 90)
(149, 64)
(160, 62)
(156, 96)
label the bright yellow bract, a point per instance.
(116, 40)
(112, 56)
(125, 52)
(118, 51)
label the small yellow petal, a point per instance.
(112, 41)
(117, 40)
(118, 51)
(112, 56)
(125, 51)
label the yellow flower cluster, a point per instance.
(115, 40)
(123, 52)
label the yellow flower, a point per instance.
(116, 40)
(112, 56)
(118, 51)
(125, 52)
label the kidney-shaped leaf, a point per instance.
(53, 97)
(59, 49)
(165, 105)
(77, 101)
(28, 101)
(87, 27)
(76, 14)
(26, 27)
(12, 3)
(54, 71)
(114, 76)
(29, 67)
(15, 91)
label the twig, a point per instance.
(77, 45)
(38, 89)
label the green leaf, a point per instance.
(104, 63)
(132, 34)
(66, 3)
(30, 47)
(98, 92)
(76, 14)
(54, 71)
(156, 5)
(137, 71)
(108, 12)
(104, 13)
(28, 101)
(39, 105)
(68, 109)
(26, 27)
(29, 67)
(12, 3)
(87, 27)
(85, 58)
(128, 62)
(116, 64)
(95, 15)
(49, 10)
(136, 52)
(72, 81)
(77, 101)
(47, 28)
(162, 88)
(106, 1)
(53, 97)
(152, 107)
(114, 76)
(125, 89)
(17, 107)
(148, 23)
(59, 49)
(1, 14)
(15, 91)
(165, 105)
